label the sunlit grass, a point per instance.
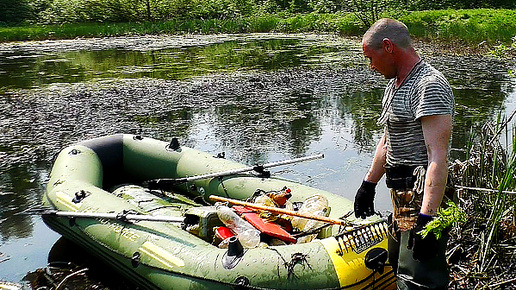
(472, 26)
(469, 26)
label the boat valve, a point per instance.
(375, 259)
(234, 254)
(235, 248)
(174, 144)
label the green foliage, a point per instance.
(14, 11)
(446, 217)
(487, 182)
(495, 27)
(473, 26)
(459, 4)
(219, 9)
(76, 11)
(369, 11)
(506, 52)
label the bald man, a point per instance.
(417, 113)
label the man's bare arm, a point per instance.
(437, 131)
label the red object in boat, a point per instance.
(223, 233)
(268, 228)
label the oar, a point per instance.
(163, 182)
(276, 210)
(123, 216)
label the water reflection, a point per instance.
(27, 69)
(20, 188)
(267, 100)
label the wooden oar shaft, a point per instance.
(276, 210)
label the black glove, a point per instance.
(364, 200)
(423, 248)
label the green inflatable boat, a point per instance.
(138, 204)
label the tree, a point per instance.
(14, 11)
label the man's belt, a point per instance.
(400, 176)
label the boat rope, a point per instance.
(296, 258)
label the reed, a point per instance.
(483, 249)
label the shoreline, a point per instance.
(150, 42)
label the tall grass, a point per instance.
(484, 252)
(468, 26)
(472, 26)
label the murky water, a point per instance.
(259, 98)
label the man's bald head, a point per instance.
(392, 29)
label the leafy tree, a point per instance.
(14, 11)
(368, 11)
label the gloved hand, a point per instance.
(364, 200)
(422, 248)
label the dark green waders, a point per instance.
(407, 186)
(414, 274)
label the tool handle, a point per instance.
(276, 210)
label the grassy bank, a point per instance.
(468, 26)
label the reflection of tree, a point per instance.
(171, 63)
(473, 109)
(173, 122)
(21, 192)
(363, 107)
(304, 129)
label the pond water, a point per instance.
(258, 98)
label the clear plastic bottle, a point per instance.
(248, 235)
(310, 225)
(314, 205)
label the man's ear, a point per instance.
(387, 45)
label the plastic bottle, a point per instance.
(275, 199)
(314, 205)
(248, 235)
(310, 225)
(280, 197)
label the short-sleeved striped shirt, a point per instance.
(424, 92)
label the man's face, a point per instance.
(380, 60)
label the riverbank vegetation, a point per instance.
(482, 250)
(492, 22)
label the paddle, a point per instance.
(122, 216)
(277, 210)
(160, 183)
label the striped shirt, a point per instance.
(424, 92)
